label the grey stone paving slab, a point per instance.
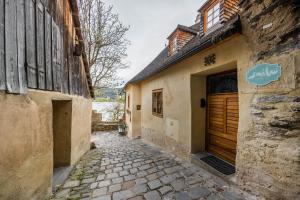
(104, 183)
(89, 180)
(117, 180)
(100, 177)
(140, 181)
(115, 188)
(94, 185)
(124, 194)
(112, 175)
(178, 185)
(129, 177)
(70, 184)
(164, 190)
(167, 179)
(198, 192)
(99, 192)
(153, 195)
(62, 193)
(181, 196)
(106, 197)
(154, 184)
(123, 173)
(122, 169)
(139, 189)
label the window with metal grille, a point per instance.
(157, 102)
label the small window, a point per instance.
(213, 15)
(157, 103)
(175, 45)
(128, 101)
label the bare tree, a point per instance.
(106, 44)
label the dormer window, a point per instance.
(213, 15)
(180, 37)
(174, 45)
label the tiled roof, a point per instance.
(184, 28)
(198, 43)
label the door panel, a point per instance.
(222, 125)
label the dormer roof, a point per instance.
(184, 28)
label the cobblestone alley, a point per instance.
(121, 168)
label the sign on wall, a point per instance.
(263, 74)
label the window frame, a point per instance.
(213, 15)
(128, 101)
(175, 45)
(156, 102)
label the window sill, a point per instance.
(158, 115)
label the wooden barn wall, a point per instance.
(37, 41)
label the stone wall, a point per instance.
(99, 125)
(268, 159)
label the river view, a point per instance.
(110, 110)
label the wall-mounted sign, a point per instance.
(210, 59)
(263, 74)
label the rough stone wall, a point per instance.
(268, 159)
(99, 125)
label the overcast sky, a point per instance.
(151, 22)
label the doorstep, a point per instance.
(60, 174)
(196, 159)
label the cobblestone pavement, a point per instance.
(121, 168)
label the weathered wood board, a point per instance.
(31, 44)
(40, 45)
(2, 56)
(48, 51)
(11, 47)
(21, 45)
(37, 41)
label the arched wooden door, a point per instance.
(222, 115)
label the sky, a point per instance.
(151, 22)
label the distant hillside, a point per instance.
(109, 94)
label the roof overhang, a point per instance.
(75, 15)
(196, 45)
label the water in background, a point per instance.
(107, 109)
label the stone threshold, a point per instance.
(196, 159)
(60, 175)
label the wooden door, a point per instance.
(222, 116)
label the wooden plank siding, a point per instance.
(37, 41)
(40, 44)
(31, 68)
(11, 47)
(2, 56)
(21, 44)
(48, 51)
